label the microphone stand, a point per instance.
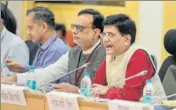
(142, 73)
(49, 85)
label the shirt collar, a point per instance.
(92, 48)
(48, 42)
(3, 32)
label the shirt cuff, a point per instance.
(26, 69)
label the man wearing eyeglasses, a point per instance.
(86, 30)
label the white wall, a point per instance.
(17, 8)
(150, 27)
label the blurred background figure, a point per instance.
(12, 46)
(10, 21)
(61, 32)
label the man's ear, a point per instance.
(128, 39)
(45, 27)
(97, 33)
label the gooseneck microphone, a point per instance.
(142, 73)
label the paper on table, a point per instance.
(62, 101)
(127, 105)
(13, 94)
(168, 103)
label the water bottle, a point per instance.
(31, 84)
(86, 84)
(32, 87)
(31, 68)
(148, 92)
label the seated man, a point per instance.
(123, 59)
(86, 30)
(12, 46)
(41, 28)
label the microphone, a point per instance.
(167, 97)
(83, 66)
(161, 100)
(142, 73)
(49, 85)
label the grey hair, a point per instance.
(42, 14)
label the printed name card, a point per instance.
(62, 101)
(128, 105)
(13, 94)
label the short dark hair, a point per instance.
(61, 27)
(43, 14)
(97, 17)
(123, 23)
(9, 19)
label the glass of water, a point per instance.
(94, 94)
(45, 87)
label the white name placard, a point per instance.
(128, 105)
(13, 94)
(62, 101)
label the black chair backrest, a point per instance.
(170, 46)
(169, 81)
(170, 60)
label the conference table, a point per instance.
(39, 102)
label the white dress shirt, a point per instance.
(13, 47)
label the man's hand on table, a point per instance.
(66, 87)
(8, 79)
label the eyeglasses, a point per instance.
(109, 35)
(79, 28)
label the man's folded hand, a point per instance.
(8, 79)
(65, 87)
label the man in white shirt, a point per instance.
(11, 45)
(86, 30)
